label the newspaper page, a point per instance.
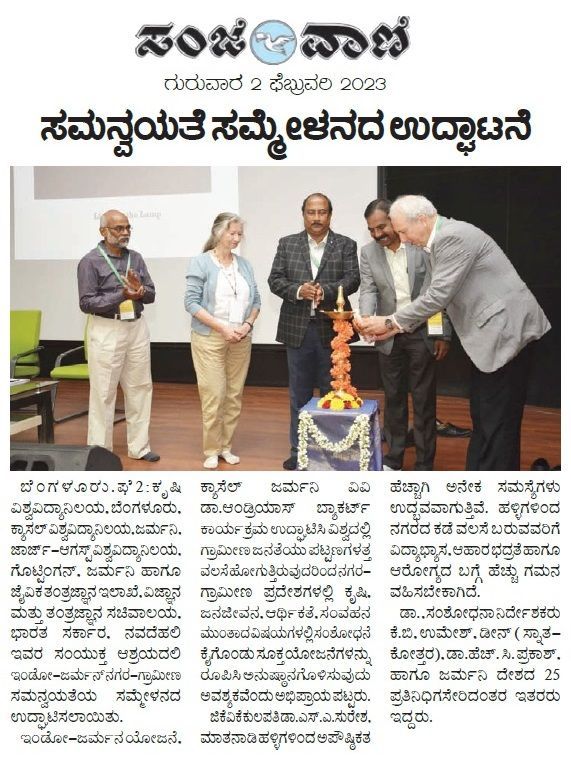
(189, 608)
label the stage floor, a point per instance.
(262, 435)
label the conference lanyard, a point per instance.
(120, 278)
(225, 272)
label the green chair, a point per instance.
(63, 370)
(24, 343)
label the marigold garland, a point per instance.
(360, 431)
(343, 395)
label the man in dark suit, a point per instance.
(494, 314)
(307, 270)
(392, 275)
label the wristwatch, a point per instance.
(389, 325)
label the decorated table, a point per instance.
(346, 439)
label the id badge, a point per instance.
(435, 325)
(236, 313)
(127, 310)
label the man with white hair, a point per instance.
(494, 314)
(392, 275)
(114, 283)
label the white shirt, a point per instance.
(316, 251)
(399, 268)
(232, 294)
(428, 246)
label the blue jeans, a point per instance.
(308, 366)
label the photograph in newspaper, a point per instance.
(270, 261)
(273, 274)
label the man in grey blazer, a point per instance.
(307, 270)
(392, 275)
(493, 312)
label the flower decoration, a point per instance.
(360, 432)
(343, 395)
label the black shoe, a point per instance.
(290, 463)
(447, 430)
(540, 464)
(150, 456)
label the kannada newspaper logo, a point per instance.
(274, 42)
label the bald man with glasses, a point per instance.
(114, 284)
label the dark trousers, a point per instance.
(496, 407)
(409, 364)
(309, 366)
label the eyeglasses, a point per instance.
(119, 229)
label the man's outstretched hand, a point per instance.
(374, 327)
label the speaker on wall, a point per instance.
(31, 457)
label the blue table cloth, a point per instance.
(340, 440)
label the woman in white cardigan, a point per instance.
(223, 300)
